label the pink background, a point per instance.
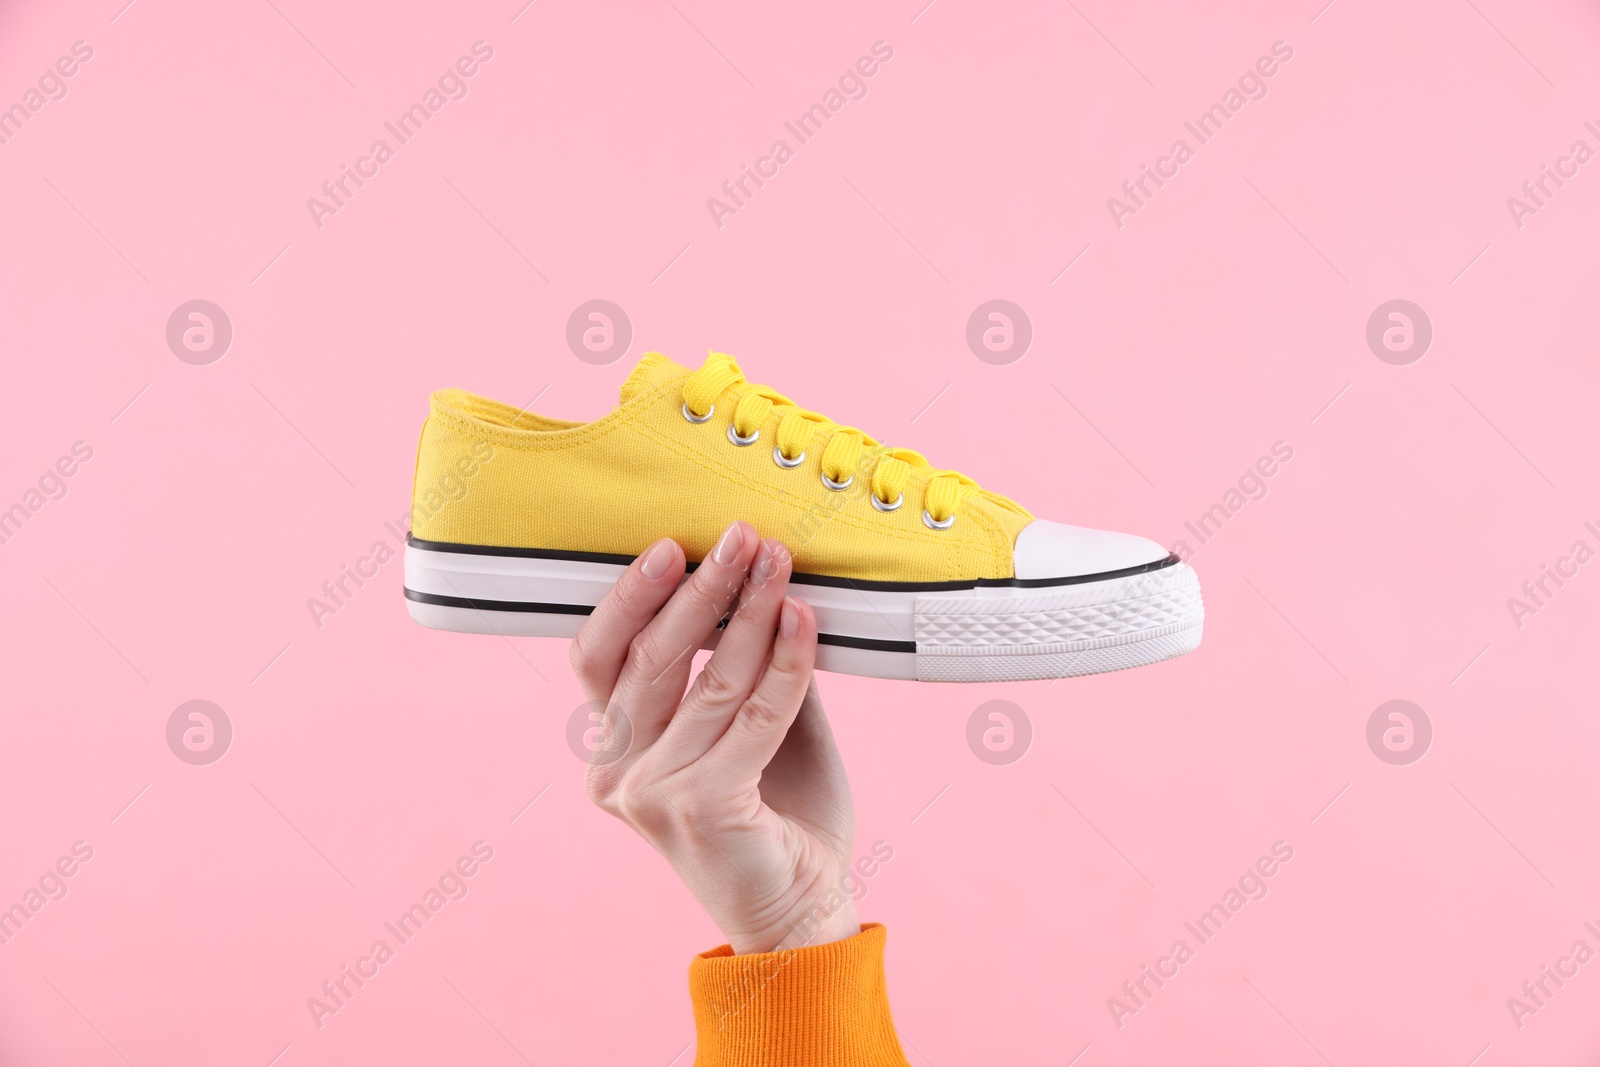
(1226, 315)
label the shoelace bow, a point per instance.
(891, 470)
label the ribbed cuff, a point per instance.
(818, 1006)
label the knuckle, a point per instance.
(716, 688)
(626, 812)
(713, 591)
(604, 785)
(644, 651)
(763, 714)
(624, 596)
(639, 803)
(600, 789)
(611, 788)
(581, 655)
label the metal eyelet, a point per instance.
(838, 486)
(733, 435)
(712, 410)
(783, 461)
(881, 506)
(933, 524)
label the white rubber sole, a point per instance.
(976, 633)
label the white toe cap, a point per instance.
(1047, 549)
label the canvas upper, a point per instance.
(687, 452)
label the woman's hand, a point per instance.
(738, 783)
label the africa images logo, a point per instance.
(1252, 885)
(51, 86)
(1252, 85)
(452, 885)
(852, 85)
(452, 85)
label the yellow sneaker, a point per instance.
(520, 524)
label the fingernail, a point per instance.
(727, 549)
(789, 621)
(766, 564)
(656, 560)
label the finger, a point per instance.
(657, 670)
(601, 647)
(762, 722)
(731, 674)
(809, 748)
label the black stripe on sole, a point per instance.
(806, 579)
(871, 644)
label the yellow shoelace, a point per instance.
(891, 468)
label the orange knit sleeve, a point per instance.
(817, 1006)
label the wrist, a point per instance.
(819, 921)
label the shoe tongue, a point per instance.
(653, 370)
